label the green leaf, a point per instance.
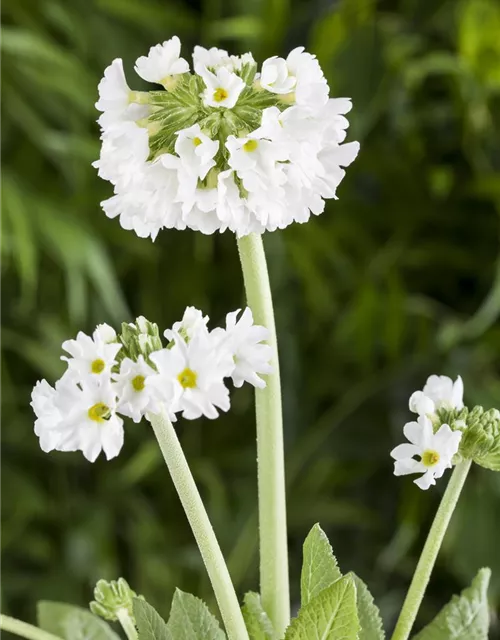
(150, 625)
(465, 617)
(190, 619)
(330, 616)
(368, 613)
(72, 623)
(319, 567)
(256, 619)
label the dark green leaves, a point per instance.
(72, 623)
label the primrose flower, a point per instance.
(92, 356)
(136, 397)
(439, 392)
(434, 450)
(222, 147)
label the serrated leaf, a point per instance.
(72, 623)
(150, 625)
(319, 566)
(257, 621)
(331, 615)
(190, 619)
(368, 613)
(465, 617)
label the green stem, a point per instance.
(25, 630)
(127, 624)
(429, 553)
(200, 524)
(270, 454)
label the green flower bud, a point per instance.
(456, 418)
(112, 599)
(141, 338)
(481, 438)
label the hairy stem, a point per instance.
(200, 525)
(127, 624)
(431, 548)
(25, 630)
(270, 456)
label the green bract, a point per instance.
(111, 598)
(141, 338)
(481, 438)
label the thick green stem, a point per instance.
(127, 624)
(274, 585)
(429, 553)
(25, 630)
(200, 524)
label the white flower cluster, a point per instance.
(434, 449)
(102, 383)
(223, 147)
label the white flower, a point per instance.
(196, 370)
(193, 321)
(213, 58)
(135, 396)
(196, 151)
(91, 356)
(48, 415)
(435, 450)
(163, 60)
(275, 76)
(223, 88)
(439, 392)
(244, 340)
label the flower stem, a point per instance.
(127, 624)
(429, 553)
(25, 630)
(274, 585)
(200, 525)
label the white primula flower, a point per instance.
(49, 418)
(275, 76)
(223, 88)
(196, 151)
(135, 397)
(91, 356)
(439, 392)
(435, 450)
(196, 370)
(193, 321)
(244, 340)
(213, 58)
(162, 61)
(115, 97)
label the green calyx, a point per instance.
(112, 598)
(481, 438)
(182, 106)
(141, 338)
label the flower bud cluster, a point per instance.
(222, 146)
(112, 598)
(134, 374)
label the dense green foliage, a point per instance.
(398, 279)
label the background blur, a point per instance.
(400, 278)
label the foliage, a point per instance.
(398, 279)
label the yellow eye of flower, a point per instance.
(99, 412)
(187, 378)
(98, 366)
(220, 94)
(138, 383)
(430, 458)
(250, 145)
(196, 142)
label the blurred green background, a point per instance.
(400, 278)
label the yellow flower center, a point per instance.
(196, 141)
(430, 458)
(250, 145)
(187, 378)
(99, 412)
(220, 94)
(138, 383)
(98, 366)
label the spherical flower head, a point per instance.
(112, 598)
(135, 397)
(439, 392)
(91, 356)
(162, 61)
(223, 147)
(434, 450)
(196, 372)
(246, 343)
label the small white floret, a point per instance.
(162, 61)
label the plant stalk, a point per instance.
(430, 551)
(274, 582)
(25, 630)
(200, 525)
(127, 624)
